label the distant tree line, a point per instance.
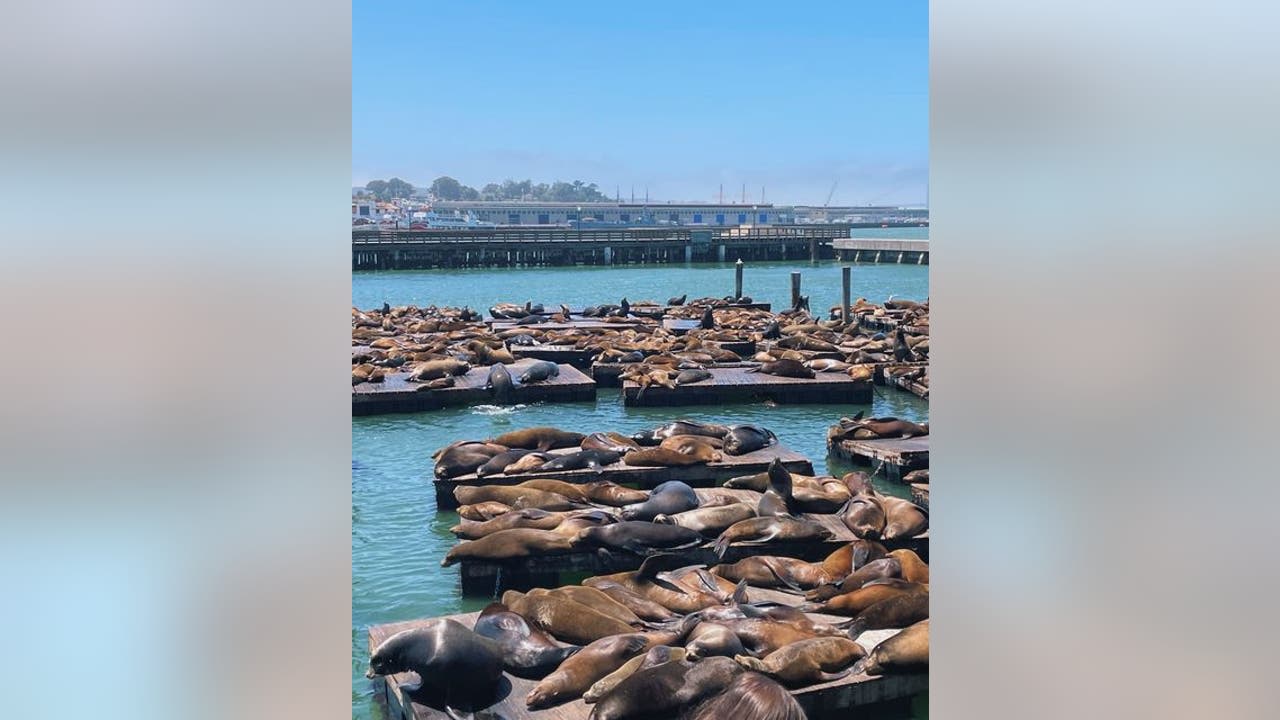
(446, 188)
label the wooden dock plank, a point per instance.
(397, 394)
(483, 577)
(705, 475)
(738, 385)
(581, 324)
(899, 456)
(826, 700)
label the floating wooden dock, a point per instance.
(559, 354)
(397, 395)
(738, 385)
(580, 324)
(610, 374)
(880, 250)
(487, 577)
(914, 387)
(920, 494)
(900, 456)
(705, 475)
(826, 701)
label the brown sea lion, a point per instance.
(644, 608)
(433, 369)
(690, 443)
(852, 603)
(516, 497)
(903, 518)
(609, 441)
(594, 599)
(916, 477)
(540, 438)
(528, 463)
(509, 544)
(709, 520)
(464, 457)
(603, 492)
(895, 612)
(664, 457)
(574, 491)
(584, 668)
(857, 482)
(483, 511)
(784, 368)
(885, 567)
(524, 518)
(751, 696)
(663, 690)
(710, 639)
(770, 529)
(761, 636)
(527, 652)
(565, 619)
(644, 583)
(851, 557)
(655, 656)
(456, 667)
(913, 568)
(807, 662)
(775, 571)
(864, 516)
(499, 463)
(905, 652)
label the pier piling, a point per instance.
(795, 290)
(846, 283)
(737, 279)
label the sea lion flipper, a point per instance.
(720, 546)
(832, 677)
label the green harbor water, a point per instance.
(398, 537)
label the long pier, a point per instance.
(512, 246)
(874, 250)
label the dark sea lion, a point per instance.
(677, 301)
(499, 463)
(916, 477)
(639, 537)
(539, 438)
(461, 458)
(693, 375)
(509, 544)
(864, 516)
(612, 442)
(742, 439)
(906, 652)
(669, 498)
(581, 670)
(480, 512)
(751, 696)
(709, 520)
(643, 608)
(523, 339)
(772, 331)
(784, 368)
(532, 320)
(770, 529)
(903, 518)
(565, 619)
(665, 457)
(655, 656)
(581, 460)
(499, 383)
(516, 497)
(689, 427)
(885, 567)
(456, 667)
(779, 499)
(525, 518)
(604, 492)
(539, 372)
(807, 662)
(853, 603)
(710, 639)
(708, 321)
(876, 428)
(895, 612)
(901, 350)
(663, 690)
(527, 652)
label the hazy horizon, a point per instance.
(680, 98)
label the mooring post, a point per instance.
(795, 290)
(737, 280)
(846, 287)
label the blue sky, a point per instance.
(679, 96)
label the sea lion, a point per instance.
(612, 442)
(499, 383)
(827, 365)
(693, 375)
(509, 544)
(775, 571)
(499, 463)
(541, 439)
(565, 619)
(462, 458)
(875, 428)
(581, 460)
(655, 656)
(751, 696)
(779, 498)
(639, 537)
(916, 477)
(539, 371)
(433, 369)
(524, 518)
(807, 662)
(709, 639)
(908, 651)
(644, 609)
(596, 600)
(742, 439)
(480, 512)
(903, 518)
(516, 497)
(644, 582)
(677, 301)
(857, 482)
(689, 444)
(885, 567)
(527, 651)
(665, 457)
(663, 690)
(574, 491)
(864, 516)
(901, 350)
(581, 670)
(913, 569)
(455, 666)
(709, 520)
(783, 368)
(529, 463)
(896, 612)
(604, 492)
(762, 530)
(763, 635)
(669, 498)
(681, 427)
(853, 603)
(708, 320)
(840, 563)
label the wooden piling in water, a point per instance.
(846, 292)
(795, 290)
(737, 279)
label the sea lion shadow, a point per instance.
(482, 709)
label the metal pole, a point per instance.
(795, 289)
(737, 279)
(846, 283)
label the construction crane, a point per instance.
(827, 204)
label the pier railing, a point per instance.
(515, 235)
